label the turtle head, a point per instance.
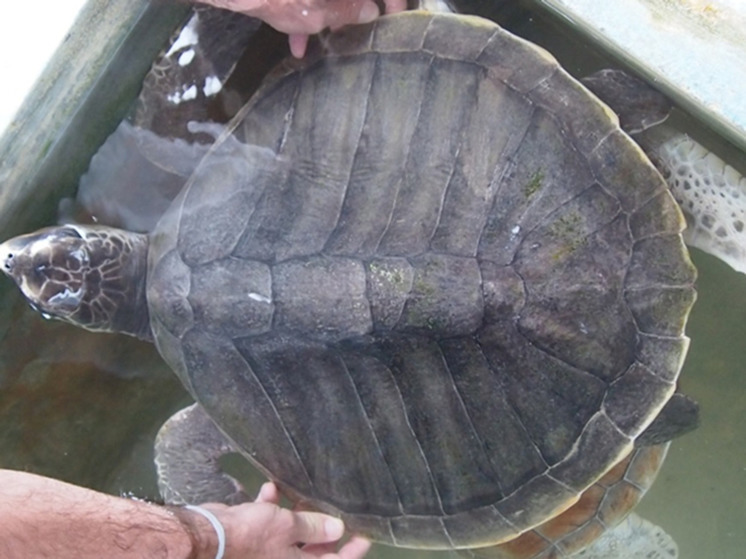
(90, 276)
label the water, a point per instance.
(699, 495)
(84, 407)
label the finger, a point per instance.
(394, 6)
(319, 550)
(356, 548)
(315, 527)
(298, 44)
(368, 12)
(268, 493)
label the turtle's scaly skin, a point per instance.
(448, 305)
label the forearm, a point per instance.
(42, 518)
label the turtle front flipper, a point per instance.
(711, 193)
(679, 416)
(187, 450)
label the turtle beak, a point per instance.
(13, 256)
(30, 261)
(17, 263)
(22, 255)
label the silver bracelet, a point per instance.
(219, 530)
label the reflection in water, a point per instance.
(133, 178)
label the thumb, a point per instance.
(315, 527)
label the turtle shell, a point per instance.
(602, 506)
(426, 283)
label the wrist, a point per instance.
(202, 533)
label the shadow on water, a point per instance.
(85, 407)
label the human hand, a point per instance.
(264, 530)
(300, 18)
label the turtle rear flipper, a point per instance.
(679, 416)
(633, 538)
(187, 450)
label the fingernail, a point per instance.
(298, 44)
(368, 13)
(264, 492)
(334, 528)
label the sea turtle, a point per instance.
(423, 281)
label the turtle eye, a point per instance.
(75, 259)
(38, 275)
